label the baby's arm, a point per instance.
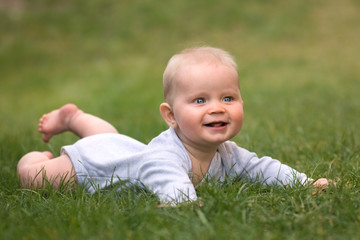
(243, 163)
(70, 118)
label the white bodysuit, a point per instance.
(164, 166)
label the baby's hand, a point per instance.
(323, 184)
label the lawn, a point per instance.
(299, 71)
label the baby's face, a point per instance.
(207, 104)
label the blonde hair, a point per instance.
(191, 56)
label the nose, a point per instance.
(216, 107)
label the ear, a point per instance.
(168, 115)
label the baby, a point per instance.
(203, 109)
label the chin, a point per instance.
(217, 141)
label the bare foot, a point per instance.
(57, 121)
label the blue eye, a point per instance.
(199, 100)
(227, 99)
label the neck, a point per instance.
(200, 161)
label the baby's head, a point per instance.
(189, 57)
(202, 96)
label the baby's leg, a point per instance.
(70, 118)
(37, 169)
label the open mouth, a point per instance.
(216, 124)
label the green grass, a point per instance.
(299, 73)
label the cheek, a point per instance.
(180, 117)
(186, 119)
(238, 117)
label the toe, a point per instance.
(46, 137)
(49, 154)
